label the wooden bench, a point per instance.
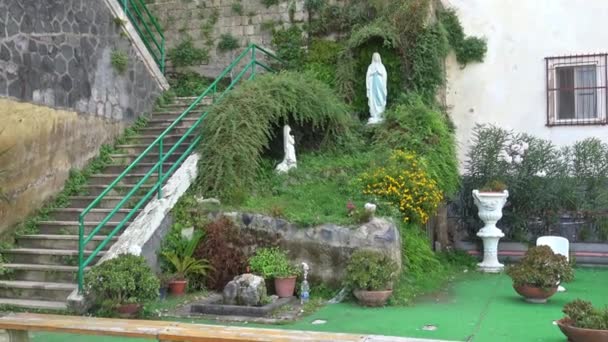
(19, 324)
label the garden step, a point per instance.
(108, 202)
(139, 168)
(119, 190)
(37, 272)
(108, 178)
(35, 290)
(45, 256)
(185, 123)
(140, 148)
(158, 130)
(34, 304)
(48, 241)
(174, 114)
(128, 158)
(68, 214)
(188, 100)
(168, 139)
(71, 227)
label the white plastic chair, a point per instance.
(559, 245)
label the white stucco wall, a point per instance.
(509, 87)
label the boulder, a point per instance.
(326, 248)
(246, 289)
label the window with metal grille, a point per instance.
(576, 90)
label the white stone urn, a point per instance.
(489, 205)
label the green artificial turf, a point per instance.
(479, 307)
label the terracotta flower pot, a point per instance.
(534, 294)
(285, 287)
(178, 287)
(575, 334)
(372, 298)
(128, 310)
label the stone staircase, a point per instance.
(42, 267)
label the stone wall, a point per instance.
(181, 19)
(58, 53)
(41, 145)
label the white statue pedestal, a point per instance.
(489, 205)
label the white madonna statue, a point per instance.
(289, 162)
(376, 89)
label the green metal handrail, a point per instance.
(140, 17)
(157, 168)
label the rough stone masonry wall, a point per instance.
(58, 53)
(187, 18)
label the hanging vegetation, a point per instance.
(240, 128)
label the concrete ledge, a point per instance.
(213, 306)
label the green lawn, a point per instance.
(478, 307)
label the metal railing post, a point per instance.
(125, 5)
(253, 61)
(159, 181)
(80, 254)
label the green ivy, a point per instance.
(467, 49)
(237, 8)
(186, 54)
(227, 43)
(289, 45)
(120, 61)
(269, 3)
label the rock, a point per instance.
(246, 289)
(326, 248)
(370, 208)
(188, 233)
(214, 201)
(274, 298)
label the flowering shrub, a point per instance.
(404, 183)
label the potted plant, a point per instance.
(184, 264)
(370, 275)
(121, 285)
(539, 273)
(490, 200)
(273, 263)
(583, 322)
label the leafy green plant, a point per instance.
(188, 83)
(187, 266)
(582, 314)
(125, 279)
(269, 3)
(371, 271)
(186, 54)
(494, 186)
(289, 45)
(120, 61)
(467, 49)
(542, 268)
(227, 42)
(272, 263)
(237, 7)
(232, 154)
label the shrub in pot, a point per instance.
(121, 285)
(371, 275)
(273, 263)
(184, 264)
(583, 322)
(539, 273)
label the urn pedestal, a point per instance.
(489, 205)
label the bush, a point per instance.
(404, 183)
(371, 271)
(540, 267)
(583, 315)
(414, 126)
(188, 83)
(272, 263)
(180, 258)
(125, 279)
(289, 45)
(222, 247)
(186, 54)
(120, 61)
(240, 127)
(467, 49)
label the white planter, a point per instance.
(489, 205)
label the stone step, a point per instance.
(148, 139)
(68, 257)
(47, 241)
(19, 289)
(50, 273)
(170, 114)
(140, 148)
(185, 123)
(141, 168)
(96, 215)
(188, 120)
(128, 158)
(34, 304)
(108, 202)
(72, 227)
(186, 101)
(158, 130)
(120, 190)
(108, 178)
